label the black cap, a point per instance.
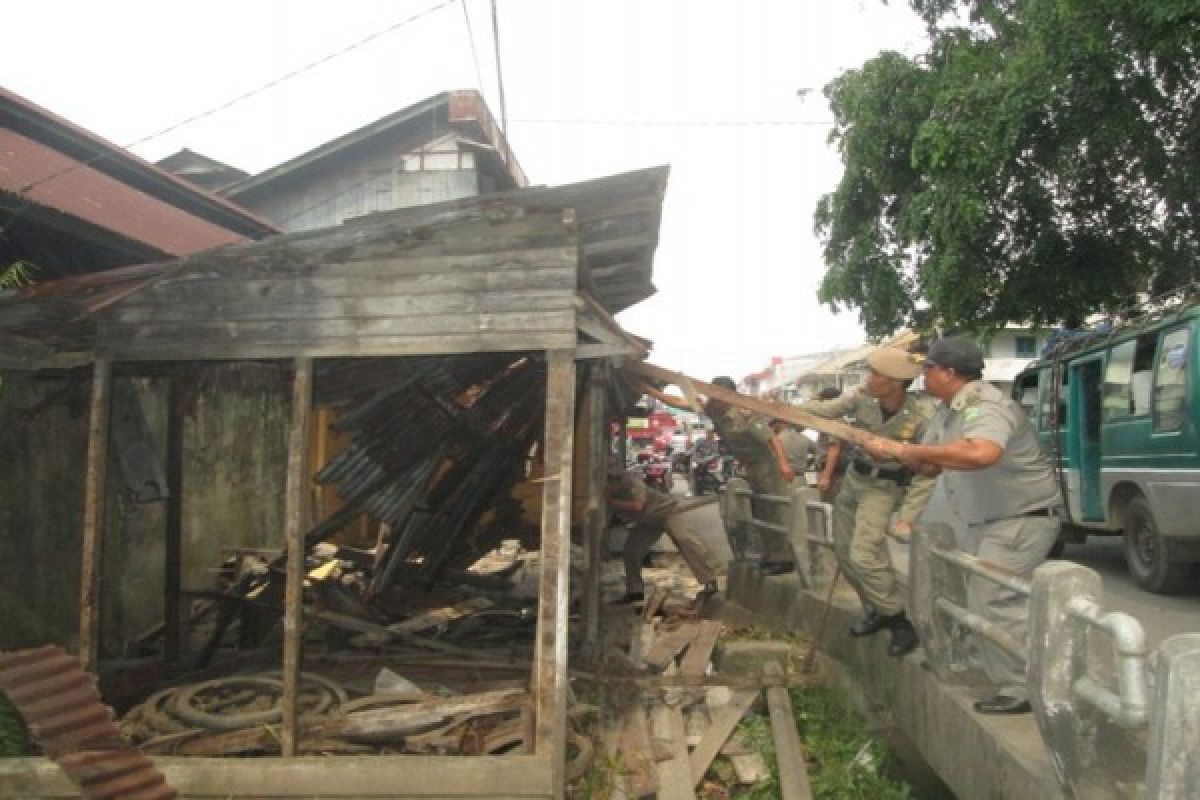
(958, 353)
(725, 382)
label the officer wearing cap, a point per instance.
(652, 513)
(755, 445)
(998, 481)
(874, 489)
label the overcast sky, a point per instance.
(592, 88)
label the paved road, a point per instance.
(1161, 616)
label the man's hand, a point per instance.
(902, 531)
(823, 483)
(788, 474)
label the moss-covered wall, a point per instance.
(43, 445)
(234, 465)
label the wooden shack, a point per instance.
(535, 271)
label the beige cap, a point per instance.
(895, 363)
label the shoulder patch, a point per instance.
(971, 413)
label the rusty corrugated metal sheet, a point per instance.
(87, 194)
(59, 702)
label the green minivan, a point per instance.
(1117, 413)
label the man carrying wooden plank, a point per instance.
(875, 489)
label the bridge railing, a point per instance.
(809, 534)
(1117, 719)
(1112, 714)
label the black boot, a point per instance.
(904, 635)
(870, 623)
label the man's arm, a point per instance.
(961, 454)
(833, 454)
(781, 459)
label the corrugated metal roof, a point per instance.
(93, 196)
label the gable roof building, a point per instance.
(71, 202)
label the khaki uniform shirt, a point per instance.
(908, 424)
(1021, 481)
(630, 488)
(749, 437)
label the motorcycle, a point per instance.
(656, 472)
(707, 475)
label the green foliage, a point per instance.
(14, 736)
(19, 273)
(1039, 163)
(846, 763)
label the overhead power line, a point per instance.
(499, 72)
(681, 123)
(474, 50)
(252, 93)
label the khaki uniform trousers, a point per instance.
(775, 545)
(1017, 544)
(862, 512)
(644, 534)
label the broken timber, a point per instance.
(839, 430)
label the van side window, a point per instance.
(1046, 420)
(1170, 381)
(1118, 393)
(1026, 395)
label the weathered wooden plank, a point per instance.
(721, 725)
(302, 330)
(475, 272)
(667, 645)
(505, 777)
(295, 525)
(173, 628)
(695, 660)
(637, 753)
(674, 773)
(365, 305)
(550, 661)
(793, 769)
(597, 432)
(95, 480)
(432, 344)
(791, 414)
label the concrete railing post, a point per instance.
(931, 578)
(1173, 759)
(738, 514)
(798, 533)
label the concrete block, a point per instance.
(749, 657)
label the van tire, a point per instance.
(1146, 552)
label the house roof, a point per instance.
(68, 178)
(462, 111)
(201, 170)
(256, 300)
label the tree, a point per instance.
(1040, 162)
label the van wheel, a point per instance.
(1146, 552)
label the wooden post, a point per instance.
(550, 666)
(293, 534)
(173, 626)
(93, 513)
(596, 510)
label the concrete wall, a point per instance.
(234, 461)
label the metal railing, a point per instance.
(807, 534)
(1092, 679)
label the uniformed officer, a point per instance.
(754, 444)
(998, 481)
(797, 448)
(876, 488)
(652, 513)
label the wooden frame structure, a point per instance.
(532, 270)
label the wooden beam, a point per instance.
(173, 522)
(724, 719)
(788, 413)
(794, 783)
(597, 511)
(550, 660)
(295, 524)
(95, 484)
